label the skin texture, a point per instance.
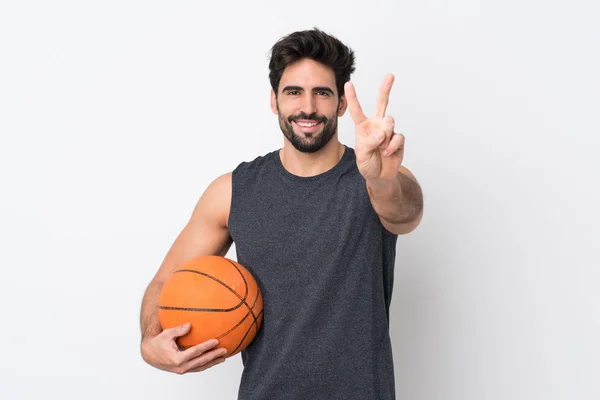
(395, 194)
(307, 92)
(309, 78)
(205, 234)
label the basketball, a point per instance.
(218, 297)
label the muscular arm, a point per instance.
(205, 233)
(398, 202)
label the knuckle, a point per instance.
(177, 362)
(196, 350)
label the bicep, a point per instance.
(206, 231)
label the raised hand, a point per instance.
(379, 150)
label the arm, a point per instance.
(205, 233)
(398, 201)
(394, 191)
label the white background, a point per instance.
(115, 116)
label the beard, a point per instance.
(315, 141)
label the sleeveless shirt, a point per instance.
(324, 264)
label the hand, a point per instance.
(162, 352)
(379, 150)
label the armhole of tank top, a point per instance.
(232, 203)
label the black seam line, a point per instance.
(247, 332)
(197, 309)
(254, 323)
(258, 294)
(236, 325)
(246, 294)
(242, 300)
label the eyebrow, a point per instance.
(318, 88)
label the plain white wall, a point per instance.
(115, 116)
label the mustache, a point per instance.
(313, 116)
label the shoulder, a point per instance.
(247, 173)
(218, 194)
(254, 164)
(221, 185)
(217, 198)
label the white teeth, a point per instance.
(306, 125)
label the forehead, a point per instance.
(307, 73)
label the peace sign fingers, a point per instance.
(384, 96)
(379, 152)
(356, 112)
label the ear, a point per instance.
(342, 106)
(274, 102)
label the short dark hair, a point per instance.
(316, 45)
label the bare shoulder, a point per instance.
(215, 202)
(206, 232)
(220, 187)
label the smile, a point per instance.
(306, 124)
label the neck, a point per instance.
(311, 164)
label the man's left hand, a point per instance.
(379, 150)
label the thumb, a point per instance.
(178, 331)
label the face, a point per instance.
(307, 105)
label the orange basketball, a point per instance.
(218, 297)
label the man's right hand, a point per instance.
(162, 352)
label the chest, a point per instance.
(283, 223)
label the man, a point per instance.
(316, 223)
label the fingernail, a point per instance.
(378, 136)
(223, 352)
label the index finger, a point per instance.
(384, 96)
(356, 112)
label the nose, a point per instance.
(309, 104)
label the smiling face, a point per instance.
(307, 105)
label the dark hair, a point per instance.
(316, 45)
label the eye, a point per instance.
(293, 92)
(323, 93)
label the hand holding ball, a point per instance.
(218, 297)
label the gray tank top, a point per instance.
(324, 263)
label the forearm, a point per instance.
(149, 322)
(398, 200)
